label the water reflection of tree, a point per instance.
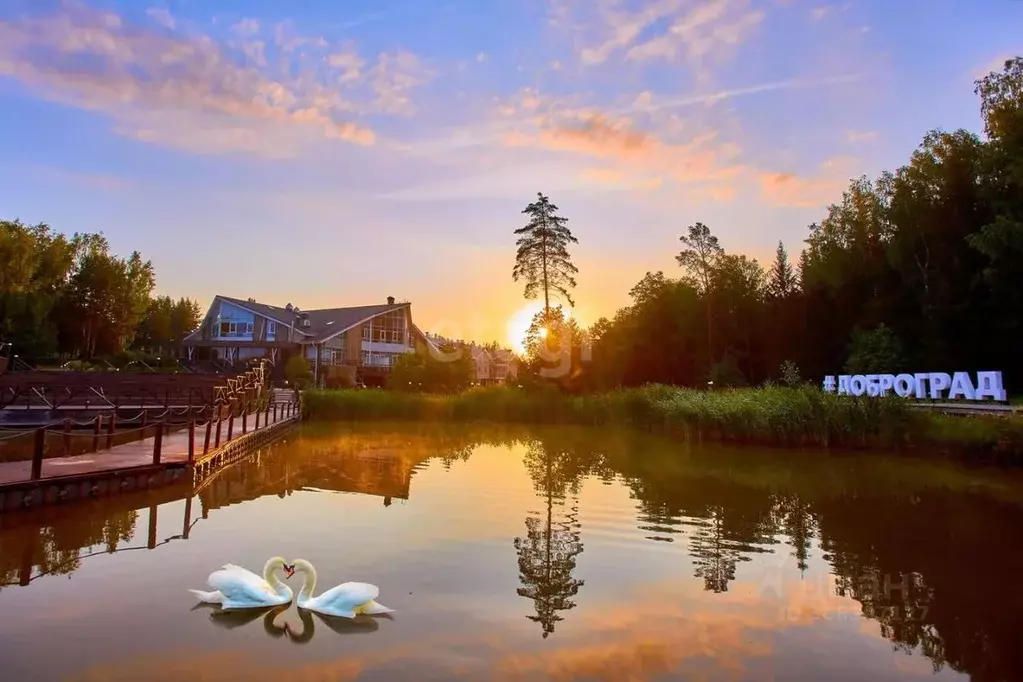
(547, 554)
(33, 548)
(935, 572)
(797, 523)
(725, 523)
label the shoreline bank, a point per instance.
(771, 416)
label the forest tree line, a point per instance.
(920, 269)
(67, 297)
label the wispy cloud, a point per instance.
(861, 135)
(394, 77)
(668, 30)
(162, 16)
(789, 189)
(647, 102)
(185, 89)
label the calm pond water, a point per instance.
(530, 554)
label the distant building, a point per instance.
(359, 343)
(491, 366)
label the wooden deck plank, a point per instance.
(134, 454)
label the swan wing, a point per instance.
(347, 596)
(242, 586)
(242, 570)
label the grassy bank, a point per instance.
(803, 417)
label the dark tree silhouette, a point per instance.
(547, 554)
(542, 259)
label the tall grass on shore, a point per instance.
(803, 416)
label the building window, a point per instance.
(271, 331)
(386, 328)
(235, 328)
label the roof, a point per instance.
(323, 323)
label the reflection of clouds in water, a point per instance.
(658, 629)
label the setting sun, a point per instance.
(518, 325)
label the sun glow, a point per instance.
(518, 324)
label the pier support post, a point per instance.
(188, 518)
(216, 444)
(206, 443)
(97, 432)
(67, 437)
(111, 425)
(157, 443)
(152, 526)
(37, 453)
(191, 441)
(245, 419)
(257, 418)
(275, 413)
(25, 570)
(230, 426)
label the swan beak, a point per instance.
(288, 571)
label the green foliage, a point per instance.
(933, 251)
(726, 374)
(298, 373)
(875, 352)
(542, 258)
(36, 265)
(782, 278)
(451, 370)
(781, 416)
(166, 323)
(70, 296)
(790, 374)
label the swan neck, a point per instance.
(308, 583)
(270, 576)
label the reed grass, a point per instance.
(772, 415)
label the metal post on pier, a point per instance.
(275, 413)
(37, 453)
(230, 426)
(191, 441)
(67, 437)
(245, 419)
(256, 428)
(206, 442)
(157, 442)
(216, 444)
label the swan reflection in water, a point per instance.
(237, 618)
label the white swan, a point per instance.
(347, 600)
(239, 588)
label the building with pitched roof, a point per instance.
(359, 343)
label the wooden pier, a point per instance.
(68, 463)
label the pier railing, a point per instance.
(244, 403)
(72, 391)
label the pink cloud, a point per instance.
(187, 90)
(789, 189)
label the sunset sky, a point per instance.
(333, 153)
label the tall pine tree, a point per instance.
(542, 259)
(783, 281)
